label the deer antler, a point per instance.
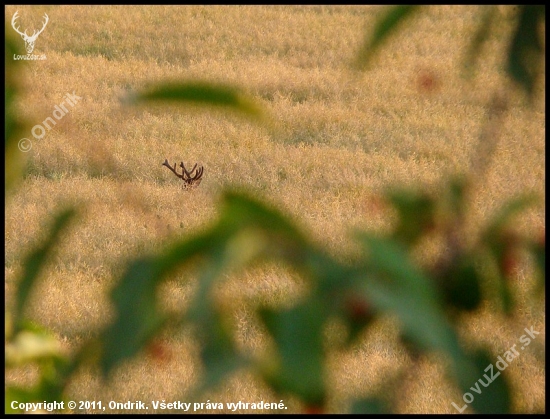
(173, 169)
(188, 177)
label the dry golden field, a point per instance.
(335, 139)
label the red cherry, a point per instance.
(358, 308)
(375, 205)
(509, 262)
(427, 81)
(314, 410)
(158, 352)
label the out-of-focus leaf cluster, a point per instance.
(384, 281)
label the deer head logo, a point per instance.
(29, 40)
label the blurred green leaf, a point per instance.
(503, 243)
(416, 212)
(480, 36)
(262, 230)
(200, 93)
(507, 298)
(55, 372)
(225, 246)
(34, 263)
(526, 49)
(218, 352)
(491, 395)
(13, 123)
(298, 335)
(497, 287)
(137, 316)
(539, 251)
(20, 395)
(456, 192)
(461, 285)
(503, 217)
(240, 209)
(31, 346)
(357, 312)
(219, 355)
(370, 406)
(395, 286)
(393, 17)
(182, 252)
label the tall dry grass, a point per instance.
(336, 140)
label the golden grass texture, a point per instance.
(337, 138)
